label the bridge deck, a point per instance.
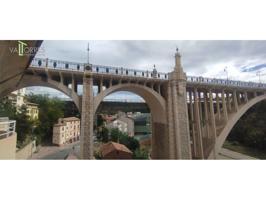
(121, 72)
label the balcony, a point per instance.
(7, 127)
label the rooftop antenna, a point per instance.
(88, 49)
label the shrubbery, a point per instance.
(250, 130)
(123, 138)
(141, 154)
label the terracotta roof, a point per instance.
(111, 146)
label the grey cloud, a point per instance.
(198, 57)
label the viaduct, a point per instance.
(191, 116)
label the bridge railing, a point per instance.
(7, 128)
(224, 82)
(57, 64)
(101, 69)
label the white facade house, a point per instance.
(122, 123)
(18, 99)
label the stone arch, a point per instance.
(234, 119)
(157, 107)
(32, 80)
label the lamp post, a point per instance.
(88, 49)
(226, 71)
(259, 74)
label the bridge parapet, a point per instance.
(224, 82)
(99, 69)
(7, 127)
(105, 70)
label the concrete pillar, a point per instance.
(200, 106)
(177, 80)
(192, 127)
(86, 141)
(101, 85)
(218, 106)
(212, 116)
(255, 94)
(175, 119)
(152, 85)
(228, 101)
(183, 118)
(225, 115)
(246, 97)
(235, 101)
(206, 113)
(111, 83)
(74, 86)
(159, 88)
(238, 98)
(199, 144)
(61, 78)
(171, 136)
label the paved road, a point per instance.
(55, 152)
(227, 154)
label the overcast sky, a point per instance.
(243, 59)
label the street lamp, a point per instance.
(226, 71)
(259, 74)
(88, 49)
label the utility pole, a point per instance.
(88, 49)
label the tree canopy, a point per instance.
(250, 130)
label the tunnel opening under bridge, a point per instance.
(154, 111)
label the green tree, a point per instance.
(7, 109)
(100, 120)
(250, 130)
(105, 134)
(123, 138)
(24, 126)
(115, 135)
(141, 154)
(50, 110)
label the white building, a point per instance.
(18, 99)
(67, 130)
(122, 123)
